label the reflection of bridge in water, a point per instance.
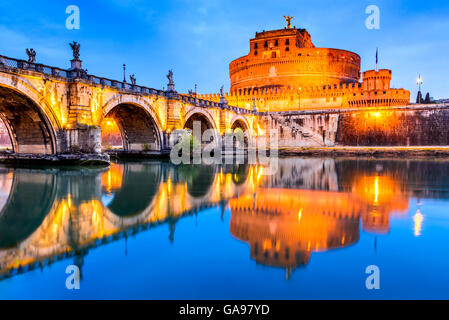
(310, 205)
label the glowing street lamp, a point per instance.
(419, 83)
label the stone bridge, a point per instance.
(48, 110)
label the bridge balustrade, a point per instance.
(18, 64)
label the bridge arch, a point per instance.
(240, 122)
(30, 121)
(201, 181)
(139, 124)
(140, 184)
(207, 121)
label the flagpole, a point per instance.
(377, 58)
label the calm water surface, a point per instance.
(151, 230)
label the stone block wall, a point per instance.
(425, 127)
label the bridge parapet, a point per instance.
(204, 103)
(17, 65)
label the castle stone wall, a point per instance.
(422, 127)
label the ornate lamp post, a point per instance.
(419, 83)
(299, 97)
(124, 72)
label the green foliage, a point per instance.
(146, 147)
(189, 142)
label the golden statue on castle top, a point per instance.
(288, 19)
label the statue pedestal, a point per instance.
(171, 87)
(76, 64)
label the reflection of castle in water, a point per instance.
(310, 205)
(283, 226)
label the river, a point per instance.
(152, 230)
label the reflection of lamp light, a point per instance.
(259, 174)
(169, 184)
(418, 219)
(376, 190)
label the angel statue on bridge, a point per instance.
(170, 77)
(133, 79)
(289, 19)
(76, 49)
(31, 55)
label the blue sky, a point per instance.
(198, 38)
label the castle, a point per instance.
(284, 71)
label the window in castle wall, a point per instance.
(255, 45)
(287, 42)
(265, 44)
(273, 54)
(287, 49)
(276, 43)
(255, 53)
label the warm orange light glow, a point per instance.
(110, 132)
(112, 179)
(259, 174)
(419, 81)
(169, 184)
(376, 190)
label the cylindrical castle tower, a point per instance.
(287, 58)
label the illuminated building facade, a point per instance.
(284, 71)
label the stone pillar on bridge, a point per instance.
(174, 110)
(80, 135)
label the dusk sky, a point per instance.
(198, 39)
